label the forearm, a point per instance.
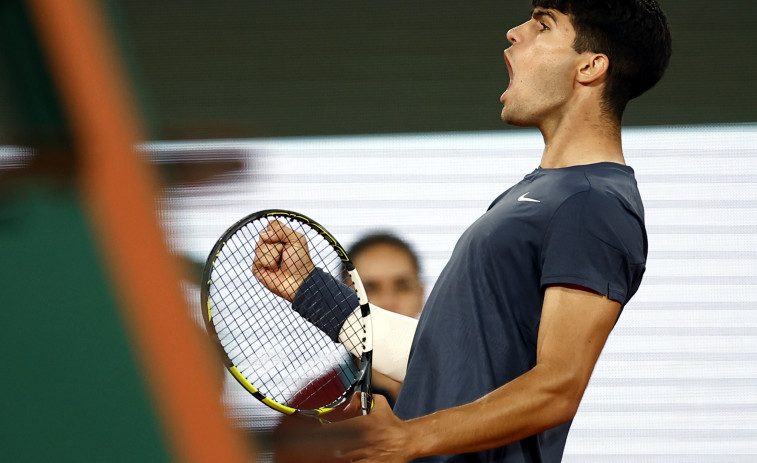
(573, 329)
(533, 402)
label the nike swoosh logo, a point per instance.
(523, 198)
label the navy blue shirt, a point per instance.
(581, 225)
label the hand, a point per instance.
(282, 260)
(381, 436)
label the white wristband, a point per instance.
(392, 337)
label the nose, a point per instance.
(516, 34)
(511, 35)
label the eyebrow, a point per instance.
(537, 14)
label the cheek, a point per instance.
(556, 67)
(551, 82)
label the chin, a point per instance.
(512, 119)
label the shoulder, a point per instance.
(614, 184)
(604, 186)
(608, 208)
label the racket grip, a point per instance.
(366, 392)
(366, 402)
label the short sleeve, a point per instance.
(597, 241)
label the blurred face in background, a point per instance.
(390, 279)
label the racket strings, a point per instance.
(338, 381)
(353, 335)
(237, 323)
(285, 357)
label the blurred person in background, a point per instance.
(390, 271)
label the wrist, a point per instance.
(420, 438)
(325, 302)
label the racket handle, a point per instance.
(366, 392)
(366, 402)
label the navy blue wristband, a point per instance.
(325, 302)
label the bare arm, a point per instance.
(574, 326)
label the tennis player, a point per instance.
(496, 366)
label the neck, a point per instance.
(584, 137)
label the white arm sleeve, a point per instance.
(392, 336)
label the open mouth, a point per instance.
(510, 76)
(509, 68)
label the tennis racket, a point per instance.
(287, 308)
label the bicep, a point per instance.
(575, 323)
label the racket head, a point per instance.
(272, 351)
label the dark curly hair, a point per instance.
(635, 36)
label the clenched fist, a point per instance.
(282, 260)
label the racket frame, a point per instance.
(362, 382)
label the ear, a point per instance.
(593, 68)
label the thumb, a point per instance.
(380, 402)
(381, 406)
(353, 407)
